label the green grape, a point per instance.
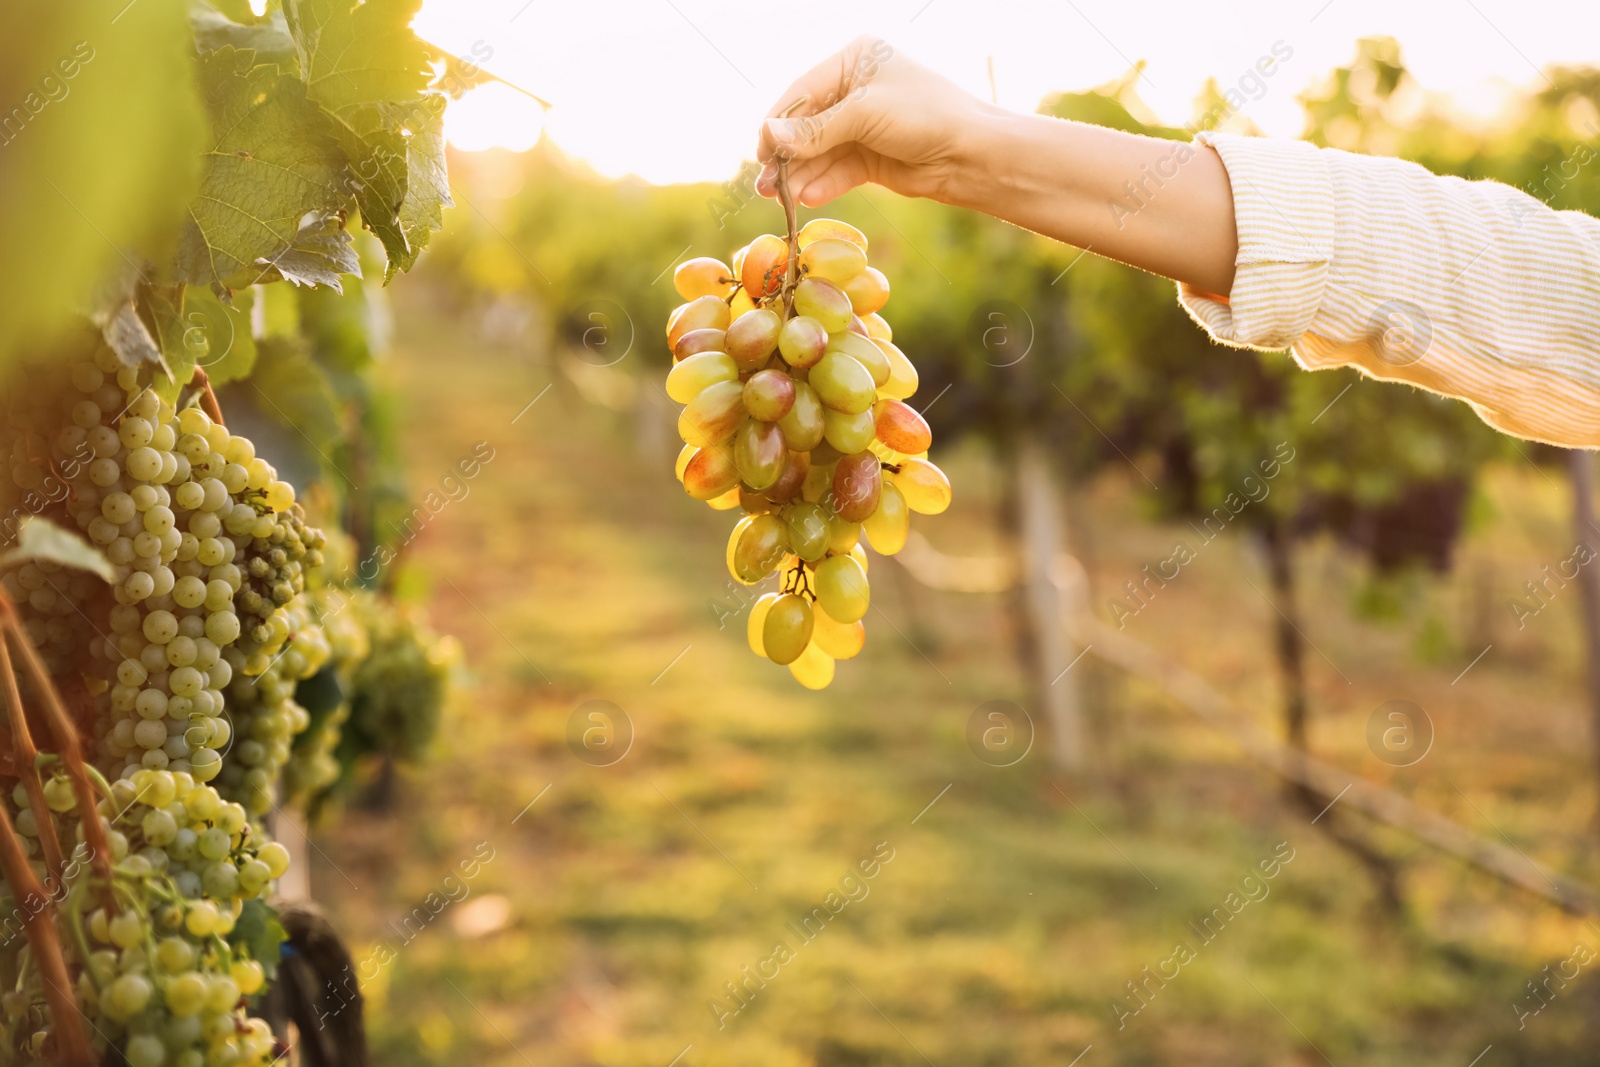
(759, 454)
(843, 535)
(757, 547)
(807, 524)
(842, 384)
(786, 630)
(789, 483)
(802, 425)
(802, 341)
(848, 433)
(768, 395)
(842, 588)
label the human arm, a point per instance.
(1470, 289)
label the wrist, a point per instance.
(991, 151)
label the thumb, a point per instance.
(811, 135)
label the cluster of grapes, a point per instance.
(209, 557)
(159, 975)
(795, 411)
(266, 716)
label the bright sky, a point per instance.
(672, 90)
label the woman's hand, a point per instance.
(870, 115)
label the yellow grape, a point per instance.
(727, 501)
(833, 259)
(710, 473)
(703, 276)
(683, 460)
(886, 527)
(842, 588)
(841, 640)
(786, 631)
(926, 489)
(821, 229)
(820, 299)
(848, 433)
(903, 378)
(864, 351)
(759, 547)
(757, 620)
(696, 373)
(843, 535)
(802, 425)
(733, 539)
(842, 383)
(868, 291)
(818, 482)
(877, 327)
(813, 668)
(740, 305)
(701, 313)
(713, 415)
(807, 524)
(859, 554)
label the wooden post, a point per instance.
(1580, 468)
(1045, 602)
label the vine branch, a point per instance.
(208, 396)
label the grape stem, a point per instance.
(66, 743)
(25, 758)
(792, 267)
(208, 396)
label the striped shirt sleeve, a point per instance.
(1471, 289)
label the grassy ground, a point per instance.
(1008, 907)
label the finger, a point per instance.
(834, 181)
(800, 171)
(821, 87)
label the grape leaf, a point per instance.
(320, 252)
(258, 931)
(272, 160)
(41, 539)
(269, 38)
(365, 65)
(427, 185)
(291, 388)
